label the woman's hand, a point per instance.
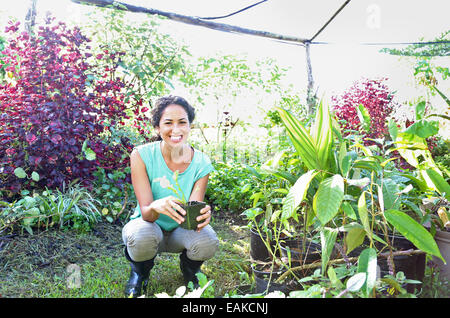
(170, 207)
(205, 217)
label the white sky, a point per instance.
(335, 66)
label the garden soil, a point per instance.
(49, 253)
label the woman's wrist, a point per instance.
(149, 214)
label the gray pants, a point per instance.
(146, 239)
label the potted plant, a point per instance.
(192, 208)
(333, 184)
(413, 147)
(437, 209)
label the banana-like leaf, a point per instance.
(328, 198)
(314, 147)
(322, 134)
(413, 231)
(301, 139)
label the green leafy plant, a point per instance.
(335, 180)
(114, 193)
(72, 208)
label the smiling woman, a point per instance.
(155, 225)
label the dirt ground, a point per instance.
(49, 253)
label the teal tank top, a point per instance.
(160, 175)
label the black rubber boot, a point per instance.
(189, 268)
(139, 274)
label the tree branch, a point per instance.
(190, 20)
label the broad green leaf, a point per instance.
(413, 231)
(420, 183)
(335, 282)
(252, 213)
(328, 198)
(35, 176)
(393, 129)
(344, 158)
(389, 194)
(348, 210)
(327, 240)
(420, 110)
(423, 128)
(363, 214)
(439, 182)
(367, 263)
(90, 154)
(412, 147)
(20, 173)
(360, 183)
(368, 164)
(364, 117)
(31, 216)
(354, 238)
(355, 282)
(283, 175)
(297, 194)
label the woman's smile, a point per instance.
(176, 139)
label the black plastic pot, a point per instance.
(265, 281)
(413, 266)
(258, 249)
(192, 209)
(300, 256)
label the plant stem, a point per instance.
(343, 260)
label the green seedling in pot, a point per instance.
(192, 208)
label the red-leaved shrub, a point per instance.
(55, 98)
(376, 97)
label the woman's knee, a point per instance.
(142, 239)
(204, 246)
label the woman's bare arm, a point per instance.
(150, 208)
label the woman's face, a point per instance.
(174, 126)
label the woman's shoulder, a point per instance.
(148, 151)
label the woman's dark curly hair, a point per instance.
(165, 101)
(160, 106)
